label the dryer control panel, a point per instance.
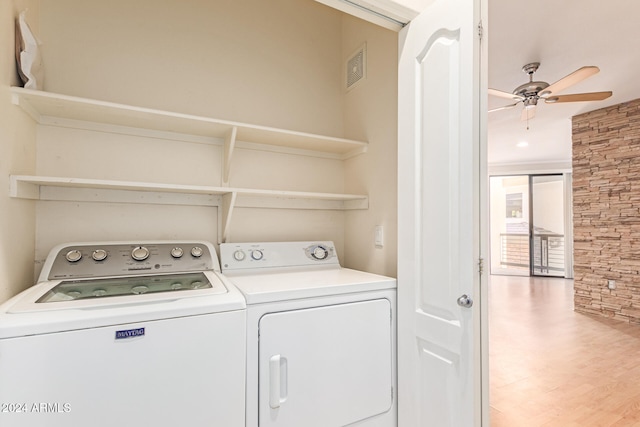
(84, 260)
(243, 256)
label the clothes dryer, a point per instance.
(321, 348)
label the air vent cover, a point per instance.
(357, 67)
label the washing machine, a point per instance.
(125, 334)
(321, 339)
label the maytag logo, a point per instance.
(129, 333)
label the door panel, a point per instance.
(509, 199)
(325, 366)
(547, 218)
(438, 139)
(439, 151)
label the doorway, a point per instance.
(528, 219)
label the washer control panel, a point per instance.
(241, 256)
(80, 260)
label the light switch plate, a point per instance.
(379, 236)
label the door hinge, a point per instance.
(481, 265)
(480, 30)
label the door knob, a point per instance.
(465, 301)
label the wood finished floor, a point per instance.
(551, 366)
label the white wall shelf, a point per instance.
(63, 110)
(52, 108)
(226, 198)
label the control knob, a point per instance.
(99, 255)
(238, 255)
(320, 253)
(140, 253)
(257, 254)
(197, 251)
(73, 255)
(177, 252)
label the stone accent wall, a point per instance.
(606, 211)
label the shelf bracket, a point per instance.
(229, 145)
(355, 152)
(23, 190)
(228, 203)
(26, 107)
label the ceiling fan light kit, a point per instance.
(532, 91)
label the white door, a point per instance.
(440, 179)
(326, 366)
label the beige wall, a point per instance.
(371, 114)
(274, 63)
(606, 211)
(17, 155)
(278, 63)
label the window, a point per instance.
(514, 205)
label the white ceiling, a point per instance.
(563, 36)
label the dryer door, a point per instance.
(325, 366)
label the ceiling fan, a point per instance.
(529, 93)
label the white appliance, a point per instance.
(321, 348)
(125, 334)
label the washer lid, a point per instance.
(97, 289)
(25, 315)
(115, 291)
(288, 284)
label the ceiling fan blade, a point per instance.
(573, 78)
(528, 113)
(579, 97)
(502, 94)
(505, 107)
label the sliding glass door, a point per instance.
(547, 225)
(527, 225)
(509, 226)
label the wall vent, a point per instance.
(357, 67)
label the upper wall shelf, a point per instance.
(44, 106)
(226, 198)
(41, 104)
